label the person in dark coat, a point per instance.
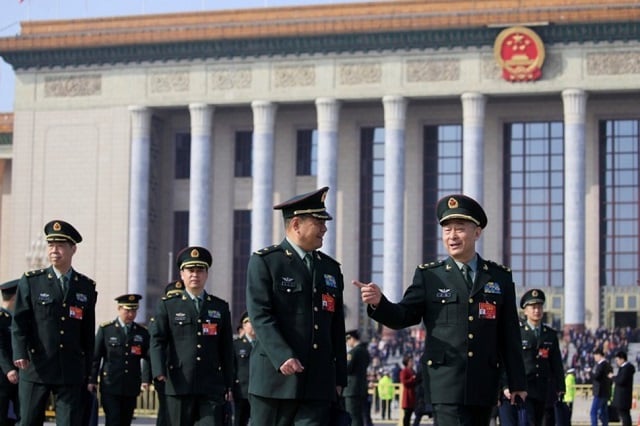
(408, 380)
(192, 346)
(295, 302)
(357, 390)
(623, 389)
(121, 362)
(542, 363)
(242, 352)
(9, 404)
(601, 389)
(53, 332)
(468, 308)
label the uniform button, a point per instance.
(315, 326)
(288, 290)
(64, 305)
(315, 290)
(470, 317)
(315, 346)
(470, 335)
(126, 371)
(443, 302)
(429, 362)
(63, 318)
(198, 346)
(219, 368)
(197, 358)
(315, 308)
(199, 321)
(199, 333)
(33, 351)
(61, 331)
(470, 354)
(61, 345)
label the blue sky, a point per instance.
(14, 12)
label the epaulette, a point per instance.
(106, 323)
(35, 272)
(86, 278)
(141, 325)
(326, 256)
(506, 268)
(547, 326)
(431, 264)
(217, 299)
(6, 314)
(171, 295)
(268, 250)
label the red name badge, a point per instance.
(543, 352)
(209, 329)
(75, 312)
(487, 310)
(328, 303)
(136, 350)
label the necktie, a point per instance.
(196, 302)
(64, 283)
(466, 273)
(127, 329)
(308, 261)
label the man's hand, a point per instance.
(21, 363)
(522, 395)
(144, 386)
(161, 378)
(12, 376)
(91, 387)
(371, 293)
(291, 366)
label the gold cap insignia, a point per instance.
(178, 284)
(132, 298)
(57, 227)
(452, 203)
(195, 253)
(534, 293)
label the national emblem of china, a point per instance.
(520, 53)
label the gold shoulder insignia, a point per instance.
(326, 256)
(34, 272)
(506, 268)
(106, 323)
(267, 250)
(430, 264)
(141, 326)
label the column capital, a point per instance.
(395, 111)
(473, 105)
(264, 114)
(140, 121)
(575, 106)
(201, 118)
(328, 113)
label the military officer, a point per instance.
(242, 350)
(357, 390)
(120, 360)
(54, 331)
(294, 299)
(542, 361)
(468, 308)
(9, 378)
(192, 346)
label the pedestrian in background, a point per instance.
(242, 347)
(570, 392)
(601, 385)
(357, 390)
(9, 404)
(408, 381)
(54, 332)
(623, 389)
(386, 392)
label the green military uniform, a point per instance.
(120, 360)
(357, 390)
(193, 349)
(242, 347)
(297, 313)
(55, 331)
(8, 390)
(542, 361)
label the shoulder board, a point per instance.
(431, 264)
(141, 325)
(86, 278)
(549, 328)
(171, 296)
(35, 272)
(5, 313)
(498, 265)
(217, 299)
(326, 256)
(106, 323)
(268, 250)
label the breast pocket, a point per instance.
(45, 309)
(289, 295)
(443, 307)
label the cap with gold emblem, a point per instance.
(59, 230)
(129, 301)
(353, 333)
(194, 256)
(458, 206)
(532, 297)
(174, 287)
(311, 203)
(244, 318)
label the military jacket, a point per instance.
(357, 363)
(194, 351)
(470, 333)
(121, 359)
(54, 331)
(6, 354)
(242, 352)
(296, 314)
(542, 361)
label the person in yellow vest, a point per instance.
(570, 392)
(385, 392)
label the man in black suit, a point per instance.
(468, 308)
(54, 332)
(294, 298)
(623, 389)
(357, 390)
(601, 388)
(120, 360)
(192, 346)
(242, 352)
(9, 406)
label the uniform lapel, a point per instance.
(482, 276)
(456, 280)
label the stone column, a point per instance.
(473, 105)
(575, 105)
(200, 184)
(264, 113)
(139, 204)
(395, 108)
(328, 110)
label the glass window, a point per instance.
(183, 156)
(244, 146)
(241, 253)
(534, 195)
(307, 153)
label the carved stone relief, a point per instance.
(613, 63)
(226, 79)
(68, 86)
(294, 76)
(363, 73)
(423, 70)
(164, 82)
